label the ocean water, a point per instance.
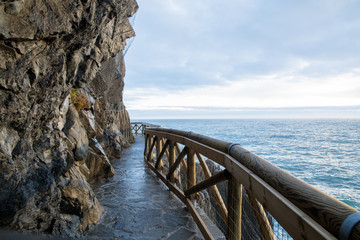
(324, 153)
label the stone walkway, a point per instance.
(138, 205)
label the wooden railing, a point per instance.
(302, 210)
(139, 127)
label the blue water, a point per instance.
(324, 153)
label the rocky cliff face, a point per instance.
(62, 119)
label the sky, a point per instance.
(244, 59)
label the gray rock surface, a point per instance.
(47, 49)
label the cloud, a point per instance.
(259, 91)
(236, 113)
(244, 54)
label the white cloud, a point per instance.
(260, 92)
(234, 54)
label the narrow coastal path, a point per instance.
(138, 205)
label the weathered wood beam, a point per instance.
(292, 219)
(234, 208)
(146, 144)
(149, 156)
(183, 160)
(214, 190)
(158, 160)
(215, 179)
(191, 171)
(158, 146)
(171, 158)
(177, 163)
(261, 217)
(142, 129)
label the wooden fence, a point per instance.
(139, 127)
(302, 210)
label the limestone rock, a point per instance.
(62, 112)
(8, 140)
(48, 48)
(99, 166)
(78, 199)
(87, 119)
(76, 134)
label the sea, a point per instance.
(323, 152)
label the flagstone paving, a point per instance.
(138, 205)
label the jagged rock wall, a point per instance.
(52, 53)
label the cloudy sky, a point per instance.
(244, 59)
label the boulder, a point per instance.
(99, 166)
(77, 198)
(76, 134)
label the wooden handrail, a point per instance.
(140, 126)
(303, 210)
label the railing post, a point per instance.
(191, 171)
(183, 160)
(150, 154)
(172, 159)
(147, 146)
(149, 142)
(158, 149)
(234, 209)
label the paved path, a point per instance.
(138, 205)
